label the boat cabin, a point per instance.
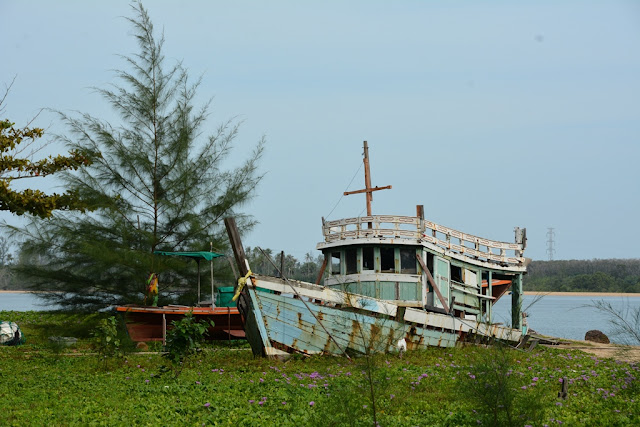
(378, 256)
(417, 263)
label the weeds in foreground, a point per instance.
(107, 342)
(625, 322)
(497, 392)
(230, 387)
(185, 339)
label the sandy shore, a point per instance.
(583, 294)
(614, 351)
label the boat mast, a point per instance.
(367, 182)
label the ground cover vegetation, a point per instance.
(160, 179)
(226, 385)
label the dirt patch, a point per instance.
(627, 353)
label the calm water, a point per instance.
(558, 316)
(565, 316)
(23, 302)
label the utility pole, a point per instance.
(550, 242)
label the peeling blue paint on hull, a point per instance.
(284, 317)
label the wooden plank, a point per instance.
(236, 245)
(259, 324)
(436, 320)
(461, 325)
(321, 272)
(433, 283)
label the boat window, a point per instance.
(456, 274)
(387, 260)
(335, 262)
(367, 258)
(351, 258)
(408, 261)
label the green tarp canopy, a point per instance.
(196, 255)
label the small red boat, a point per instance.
(150, 323)
(145, 323)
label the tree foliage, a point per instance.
(17, 163)
(156, 183)
(268, 262)
(597, 275)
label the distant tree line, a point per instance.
(597, 275)
(268, 262)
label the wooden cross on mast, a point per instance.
(367, 182)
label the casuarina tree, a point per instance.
(157, 181)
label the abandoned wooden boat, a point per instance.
(387, 278)
(146, 323)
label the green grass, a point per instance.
(40, 385)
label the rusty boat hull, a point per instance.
(284, 316)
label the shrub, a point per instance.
(107, 343)
(185, 338)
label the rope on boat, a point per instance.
(242, 282)
(305, 304)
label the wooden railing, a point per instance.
(406, 227)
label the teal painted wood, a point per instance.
(466, 299)
(252, 333)
(368, 289)
(490, 293)
(410, 291)
(386, 290)
(516, 301)
(441, 277)
(290, 322)
(260, 337)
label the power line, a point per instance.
(348, 185)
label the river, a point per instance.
(559, 316)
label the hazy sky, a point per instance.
(491, 114)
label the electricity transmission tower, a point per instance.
(550, 242)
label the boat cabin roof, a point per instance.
(414, 231)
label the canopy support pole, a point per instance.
(211, 267)
(198, 262)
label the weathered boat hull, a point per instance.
(146, 324)
(283, 317)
